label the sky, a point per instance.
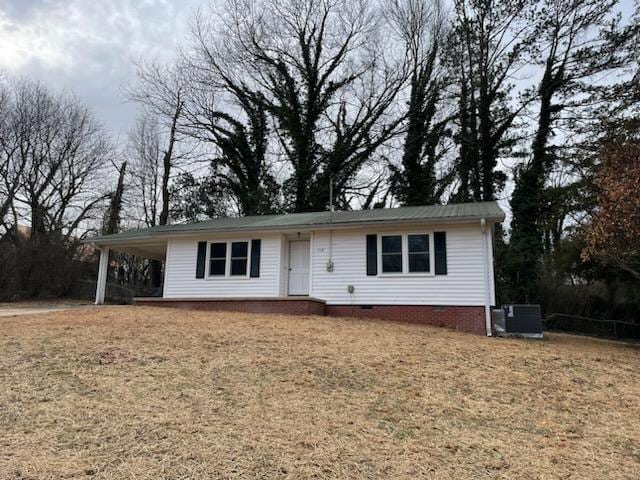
(87, 47)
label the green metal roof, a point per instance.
(458, 212)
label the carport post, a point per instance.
(101, 284)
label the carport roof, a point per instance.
(458, 212)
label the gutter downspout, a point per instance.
(487, 280)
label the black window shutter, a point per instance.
(372, 254)
(440, 247)
(255, 258)
(202, 255)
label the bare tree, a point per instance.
(146, 159)
(151, 172)
(317, 69)
(422, 28)
(53, 152)
(11, 165)
(64, 150)
(162, 91)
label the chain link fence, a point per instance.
(617, 329)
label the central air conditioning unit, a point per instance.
(518, 321)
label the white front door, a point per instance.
(299, 267)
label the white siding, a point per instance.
(463, 284)
(283, 262)
(180, 275)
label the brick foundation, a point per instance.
(464, 319)
(290, 306)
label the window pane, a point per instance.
(218, 250)
(216, 267)
(418, 243)
(392, 263)
(239, 249)
(239, 266)
(392, 244)
(418, 262)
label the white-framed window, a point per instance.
(391, 253)
(229, 258)
(418, 252)
(405, 253)
(218, 259)
(239, 258)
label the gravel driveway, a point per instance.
(15, 309)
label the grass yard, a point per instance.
(144, 393)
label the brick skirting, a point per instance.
(465, 319)
(291, 306)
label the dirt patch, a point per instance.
(108, 357)
(13, 309)
(149, 393)
(45, 303)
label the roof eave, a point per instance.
(159, 235)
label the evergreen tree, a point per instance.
(581, 39)
(490, 43)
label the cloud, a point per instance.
(87, 47)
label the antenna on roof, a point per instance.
(331, 193)
(330, 261)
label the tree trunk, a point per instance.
(527, 243)
(167, 160)
(113, 219)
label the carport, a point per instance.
(152, 250)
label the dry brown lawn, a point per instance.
(144, 393)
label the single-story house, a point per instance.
(430, 264)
